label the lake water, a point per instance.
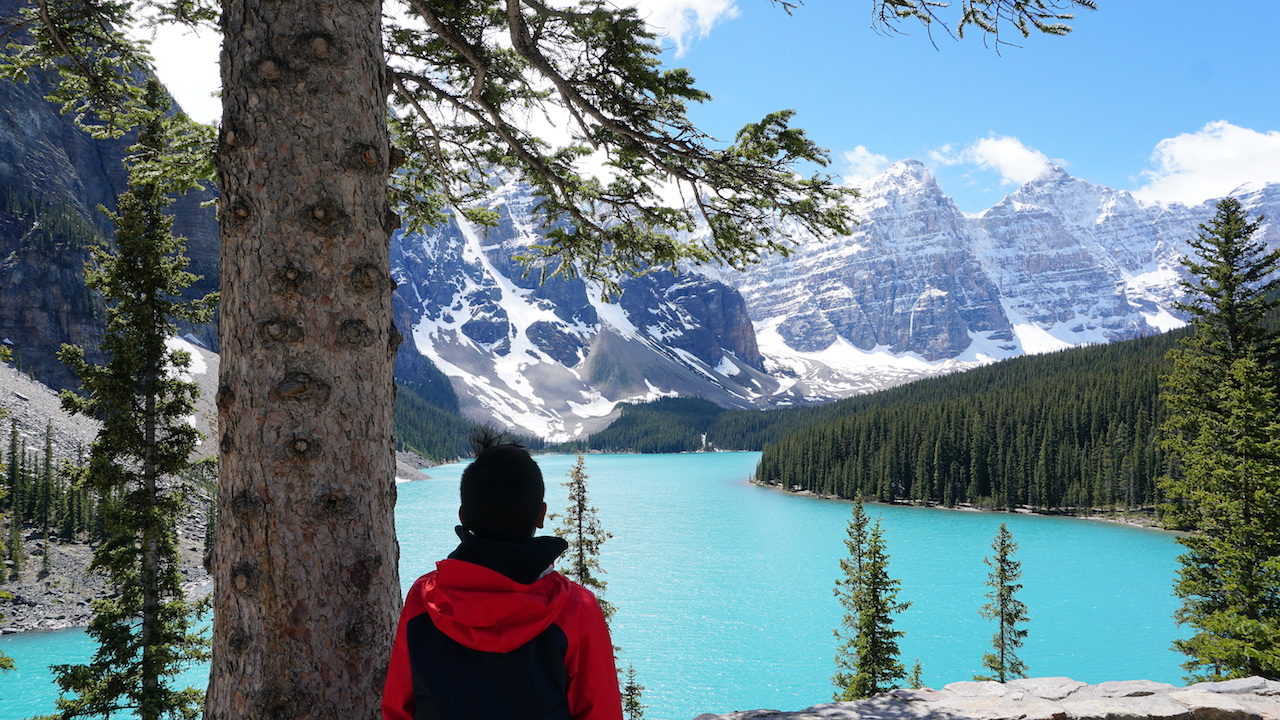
(724, 593)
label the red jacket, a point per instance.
(472, 643)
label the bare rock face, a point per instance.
(53, 178)
(1051, 698)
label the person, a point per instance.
(494, 632)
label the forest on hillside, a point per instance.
(1072, 432)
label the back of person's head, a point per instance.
(501, 489)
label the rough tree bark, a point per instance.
(307, 594)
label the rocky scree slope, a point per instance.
(61, 598)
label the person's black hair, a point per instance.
(501, 489)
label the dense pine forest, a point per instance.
(1073, 431)
(41, 493)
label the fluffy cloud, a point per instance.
(1210, 163)
(681, 21)
(1007, 156)
(862, 165)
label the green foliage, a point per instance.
(145, 630)
(6, 662)
(461, 102)
(51, 227)
(632, 691)
(1006, 609)
(1223, 430)
(867, 658)
(914, 680)
(580, 526)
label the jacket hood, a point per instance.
(486, 610)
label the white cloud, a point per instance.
(1210, 163)
(680, 21)
(1007, 156)
(862, 165)
(1016, 163)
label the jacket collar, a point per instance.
(523, 560)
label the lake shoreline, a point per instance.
(1141, 518)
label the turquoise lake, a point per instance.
(724, 592)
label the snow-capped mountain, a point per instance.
(553, 358)
(919, 288)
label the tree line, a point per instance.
(1073, 432)
(41, 494)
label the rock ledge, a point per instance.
(1050, 698)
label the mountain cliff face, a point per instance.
(53, 178)
(552, 357)
(919, 288)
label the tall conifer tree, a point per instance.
(1223, 430)
(867, 661)
(145, 629)
(846, 591)
(1006, 609)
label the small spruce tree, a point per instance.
(145, 631)
(1006, 609)
(915, 679)
(580, 527)
(632, 690)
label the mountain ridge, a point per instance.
(919, 288)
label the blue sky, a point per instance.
(1100, 101)
(1177, 100)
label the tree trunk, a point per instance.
(307, 593)
(149, 570)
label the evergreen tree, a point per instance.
(1006, 609)
(6, 662)
(846, 591)
(145, 630)
(867, 661)
(15, 554)
(914, 680)
(1222, 429)
(1229, 581)
(580, 527)
(632, 690)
